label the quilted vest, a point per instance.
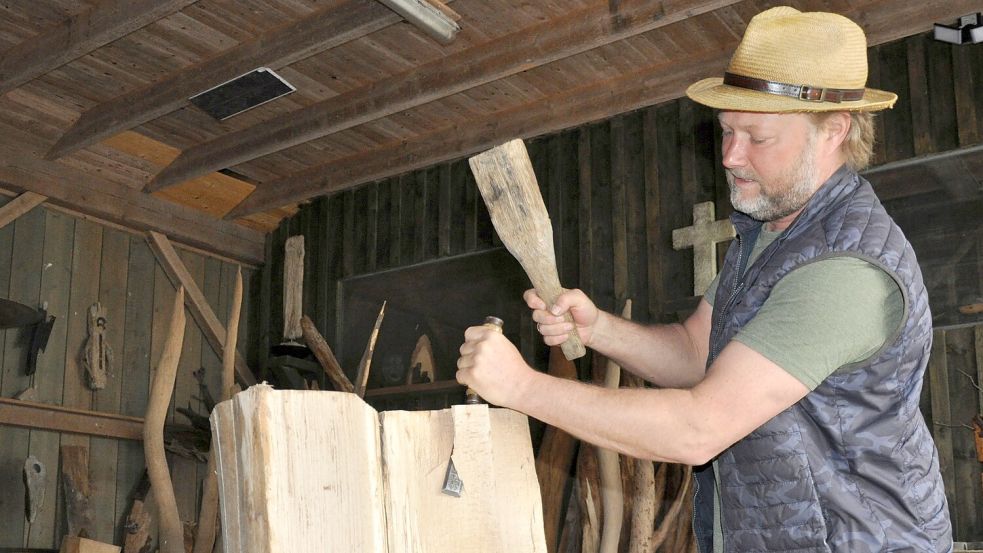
(851, 467)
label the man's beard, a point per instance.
(781, 196)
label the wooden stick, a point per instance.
(609, 466)
(136, 530)
(171, 529)
(556, 456)
(363, 366)
(208, 517)
(672, 515)
(325, 356)
(507, 182)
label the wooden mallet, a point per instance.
(508, 184)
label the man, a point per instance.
(796, 381)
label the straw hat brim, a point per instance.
(713, 93)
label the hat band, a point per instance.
(802, 92)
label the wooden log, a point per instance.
(643, 495)
(609, 467)
(667, 529)
(554, 463)
(508, 185)
(325, 356)
(268, 438)
(362, 379)
(171, 529)
(75, 485)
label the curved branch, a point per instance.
(171, 529)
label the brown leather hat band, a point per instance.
(802, 92)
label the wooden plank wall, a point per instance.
(616, 189)
(70, 263)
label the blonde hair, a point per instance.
(858, 147)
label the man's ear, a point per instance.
(835, 129)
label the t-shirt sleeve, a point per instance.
(711, 292)
(825, 315)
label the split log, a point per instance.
(557, 453)
(75, 485)
(324, 355)
(204, 540)
(507, 182)
(590, 504)
(609, 467)
(171, 530)
(362, 379)
(644, 497)
(668, 527)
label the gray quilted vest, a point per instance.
(851, 467)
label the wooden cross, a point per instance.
(703, 237)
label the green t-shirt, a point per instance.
(818, 318)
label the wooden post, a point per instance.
(703, 237)
(508, 185)
(293, 287)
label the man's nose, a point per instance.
(734, 153)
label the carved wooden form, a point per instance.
(703, 237)
(171, 530)
(507, 182)
(97, 356)
(35, 480)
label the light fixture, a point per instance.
(968, 30)
(431, 17)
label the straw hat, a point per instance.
(790, 61)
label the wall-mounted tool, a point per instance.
(97, 355)
(13, 315)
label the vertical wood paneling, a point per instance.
(938, 380)
(967, 510)
(602, 284)
(653, 213)
(964, 76)
(56, 279)
(407, 218)
(103, 452)
(28, 236)
(898, 136)
(635, 222)
(471, 200)
(584, 181)
(371, 227)
(921, 115)
(619, 210)
(444, 205)
(420, 228)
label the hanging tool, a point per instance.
(453, 485)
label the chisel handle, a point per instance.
(470, 396)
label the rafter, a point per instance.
(116, 203)
(78, 35)
(598, 100)
(319, 31)
(19, 206)
(576, 32)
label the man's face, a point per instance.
(770, 162)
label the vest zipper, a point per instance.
(696, 535)
(738, 284)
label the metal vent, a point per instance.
(242, 93)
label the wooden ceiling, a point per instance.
(94, 112)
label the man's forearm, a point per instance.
(666, 355)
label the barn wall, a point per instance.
(616, 189)
(47, 256)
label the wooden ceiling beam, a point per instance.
(578, 31)
(288, 43)
(19, 206)
(78, 35)
(599, 100)
(116, 203)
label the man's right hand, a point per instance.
(551, 323)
